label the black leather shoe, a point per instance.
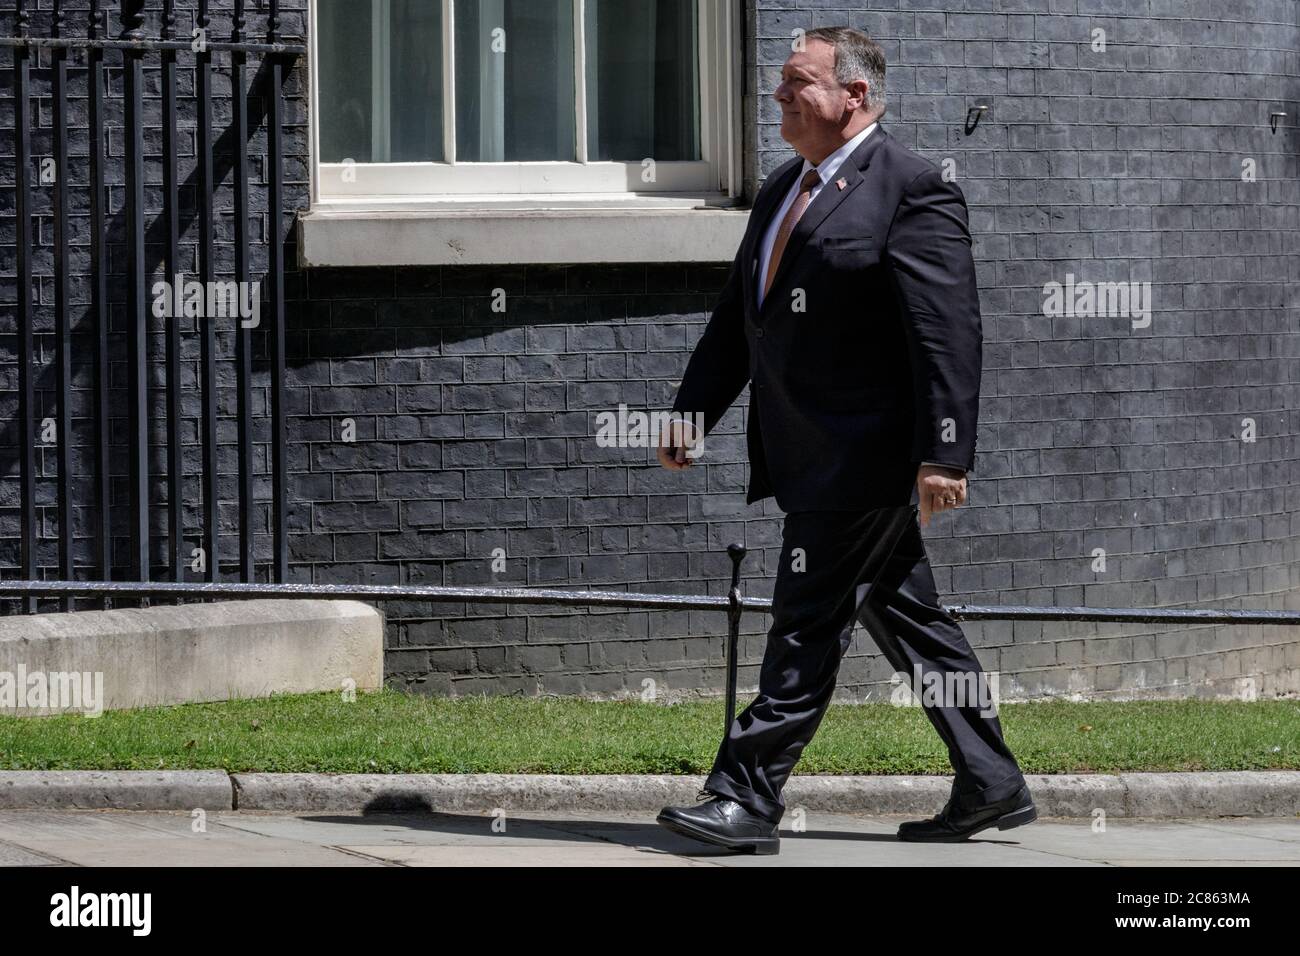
(957, 822)
(723, 822)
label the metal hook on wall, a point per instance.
(1273, 121)
(973, 117)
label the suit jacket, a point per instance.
(880, 371)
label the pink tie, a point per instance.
(810, 179)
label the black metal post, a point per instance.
(171, 204)
(737, 554)
(275, 245)
(137, 349)
(243, 334)
(26, 344)
(62, 319)
(99, 301)
(208, 332)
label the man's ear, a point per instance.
(858, 91)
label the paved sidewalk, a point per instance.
(607, 838)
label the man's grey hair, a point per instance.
(857, 57)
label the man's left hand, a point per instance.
(939, 489)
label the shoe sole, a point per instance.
(759, 846)
(1008, 821)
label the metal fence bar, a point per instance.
(375, 592)
(171, 212)
(737, 554)
(26, 342)
(146, 44)
(207, 328)
(102, 525)
(62, 317)
(504, 595)
(1121, 615)
(243, 334)
(132, 15)
(275, 276)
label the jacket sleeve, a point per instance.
(930, 261)
(719, 367)
(942, 465)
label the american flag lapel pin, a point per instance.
(841, 182)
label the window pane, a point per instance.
(515, 96)
(642, 80)
(380, 80)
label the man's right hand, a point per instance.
(674, 441)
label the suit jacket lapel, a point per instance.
(760, 218)
(828, 199)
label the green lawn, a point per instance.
(394, 732)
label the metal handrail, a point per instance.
(371, 592)
(666, 602)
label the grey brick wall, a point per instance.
(1122, 164)
(475, 430)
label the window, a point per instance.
(599, 101)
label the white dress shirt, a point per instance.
(826, 170)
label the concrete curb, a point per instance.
(115, 790)
(1158, 795)
(1272, 793)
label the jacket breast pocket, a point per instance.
(849, 253)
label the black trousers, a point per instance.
(838, 567)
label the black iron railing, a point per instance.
(130, 50)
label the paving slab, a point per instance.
(156, 838)
(610, 838)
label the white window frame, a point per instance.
(713, 180)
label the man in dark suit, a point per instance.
(852, 310)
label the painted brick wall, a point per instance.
(1112, 165)
(475, 430)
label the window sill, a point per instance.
(519, 230)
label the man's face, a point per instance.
(814, 106)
